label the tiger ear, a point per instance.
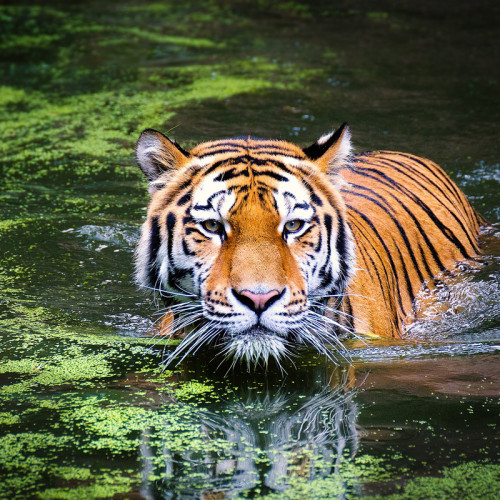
(331, 151)
(157, 154)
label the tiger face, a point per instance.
(250, 236)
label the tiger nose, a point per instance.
(257, 302)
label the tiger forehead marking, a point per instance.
(266, 246)
(243, 145)
(249, 179)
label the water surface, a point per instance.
(84, 410)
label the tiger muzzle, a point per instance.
(258, 302)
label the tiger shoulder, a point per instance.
(266, 245)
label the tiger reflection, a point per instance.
(272, 437)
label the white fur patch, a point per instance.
(344, 149)
(324, 138)
(286, 204)
(220, 205)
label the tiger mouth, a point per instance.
(255, 344)
(258, 331)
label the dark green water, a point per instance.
(84, 412)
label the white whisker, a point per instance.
(162, 291)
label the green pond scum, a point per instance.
(87, 409)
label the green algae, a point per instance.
(193, 389)
(103, 423)
(21, 461)
(467, 481)
(350, 475)
(66, 134)
(59, 370)
(9, 419)
(80, 130)
(20, 455)
(104, 486)
(137, 35)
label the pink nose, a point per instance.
(258, 302)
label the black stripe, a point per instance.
(307, 231)
(186, 250)
(320, 242)
(154, 245)
(389, 282)
(186, 184)
(394, 184)
(341, 246)
(407, 167)
(327, 280)
(214, 166)
(402, 232)
(443, 177)
(281, 166)
(327, 224)
(243, 188)
(247, 159)
(389, 256)
(270, 148)
(314, 197)
(447, 182)
(260, 162)
(219, 151)
(407, 277)
(430, 273)
(261, 185)
(422, 232)
(184, 199)
(231, 174)
(191, 230)
(391, 163)
(260, 149)
(170, 241)
(217, 314)
(304, 205)
(349, 318)
(202, 208)
(230, 143)
(270, 173)
(452, 187)
(209, 206)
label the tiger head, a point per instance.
(250, 236)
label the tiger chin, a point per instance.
(263, 245)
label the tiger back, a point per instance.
(265, 245)
(410, 222)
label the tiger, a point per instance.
(260, 246)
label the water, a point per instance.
(84, 411)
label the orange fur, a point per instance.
(375, 303)
(407, 219)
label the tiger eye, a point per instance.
(212, 226)
(292, 226)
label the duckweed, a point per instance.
(468, 481)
